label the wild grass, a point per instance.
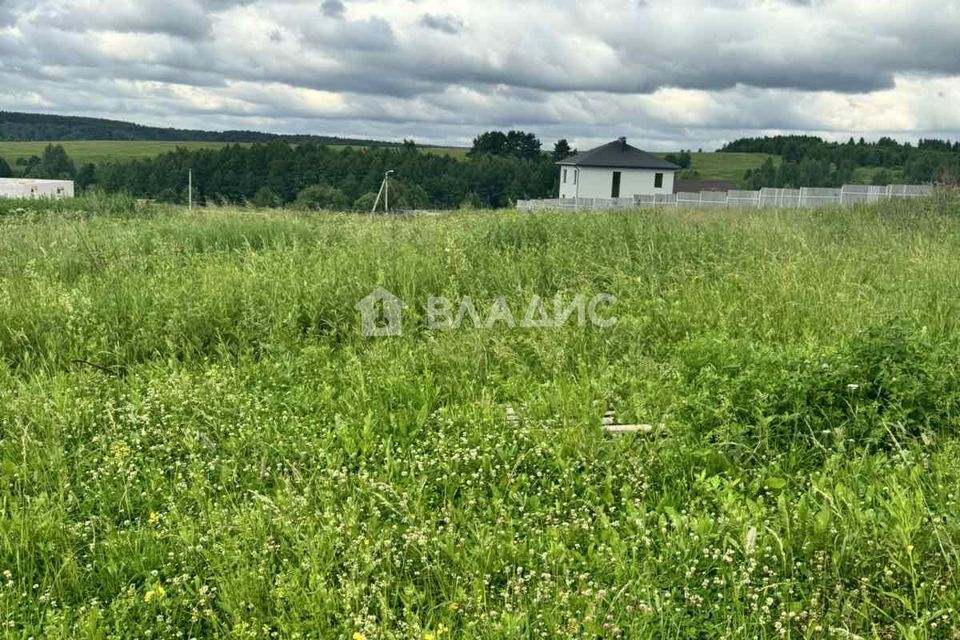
(196, 441)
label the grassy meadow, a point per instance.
(727, 166)
(196, 440)
(101, 151)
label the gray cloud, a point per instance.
(690, 71)
(333, 8)
(183, 18)
(447, 24)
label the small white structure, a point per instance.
(615, 170)
(35, 189)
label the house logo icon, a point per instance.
(381, 314)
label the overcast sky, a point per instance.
(667, 74)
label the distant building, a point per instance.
(35, 189)
(615, 170)
(696, 185)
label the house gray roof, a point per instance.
(619, 155)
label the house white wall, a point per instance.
(35, 189)
(596, 182)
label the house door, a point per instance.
(615, 191)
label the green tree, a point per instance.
(265, 198)
(404, 195)
(318, 197)
(28, 165)
(682, 159)
(86, 177)
(365, 202)
(491, 143)
(764, 176)
(5, 170)
(882, 177)
(54, 164)
(471, 201)
(515, 144)
(168, 196)
(523, 146)
(562, 150)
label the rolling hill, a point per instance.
(38, 127)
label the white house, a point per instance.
(35, 189)
(615, 170)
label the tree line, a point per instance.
(810, 161)
(500, 168)
(32, 127)
(316, 176)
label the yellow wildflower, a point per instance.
(453, 606)
(154, 517)
(359, 636)
(428, 636)
(154, 594)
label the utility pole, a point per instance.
(384, 193)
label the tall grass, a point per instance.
(196, 441)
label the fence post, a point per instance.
(843, 190)
(803, 197)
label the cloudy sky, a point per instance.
(667, 74)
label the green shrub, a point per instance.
(322, 197)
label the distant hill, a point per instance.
(35, 127)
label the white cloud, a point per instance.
(668, 74)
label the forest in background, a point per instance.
(499, 169)
(809, 161)
(55, 128)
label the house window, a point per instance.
(575, 174)
(615, 191)
(564, 176)
(658, 181)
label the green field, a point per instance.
(727, 166)
(197, 441)
(99, 152)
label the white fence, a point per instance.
(804, 198)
